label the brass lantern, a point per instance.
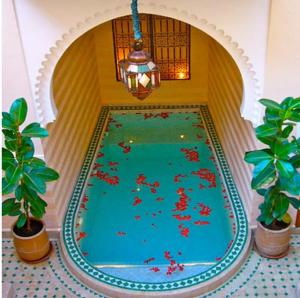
(138, 72)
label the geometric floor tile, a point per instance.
(258, 277)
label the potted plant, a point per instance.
(276, 175)
(24, 178)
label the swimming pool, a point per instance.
(155, 207)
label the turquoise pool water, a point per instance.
(155, 199)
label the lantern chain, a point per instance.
(136, 21)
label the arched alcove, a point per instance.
(45, 106)
(84, 79)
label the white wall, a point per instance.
(283, 53)
(15, 83)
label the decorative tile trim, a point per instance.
(70, 275)
(68, 232)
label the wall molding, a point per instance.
(43, 97)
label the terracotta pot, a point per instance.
(271, 243)
(32, 248)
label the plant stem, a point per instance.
(28, 226)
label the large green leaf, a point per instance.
(285, 169)
(8, 159)
(291, 185)
(295, 161)
(19, 193)
(7, 205)
(294, 116)
(36, 212)
(9, 134)
(8, 122)
(261, 191)
(18, 110)
(26, 151)
(266, 211)
(281, 205)
(287, 130)
(266, 130)
(34, 182)
(6, 187)
(258, 156)
(263, 173)
(32, 195)
(283, 148)
(13, 174)
(47, 174)
(270, 104)
(11, 145)
(35, 162)
(14, 209)
(267, 140)
(21, 220)
(34, 130)
(295, 202)
(295, 103)
(286, 103)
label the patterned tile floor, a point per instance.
(258, 277)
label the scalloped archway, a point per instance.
(45, 106)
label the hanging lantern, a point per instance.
(138, 72)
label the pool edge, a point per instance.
(197, 288)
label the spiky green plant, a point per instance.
(276, 173)
(25, 176)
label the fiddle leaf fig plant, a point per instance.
(276, 174)
(25, 176)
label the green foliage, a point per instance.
(25, 176)
(276, 172)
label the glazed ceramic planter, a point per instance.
(271, 243)
(32, 248)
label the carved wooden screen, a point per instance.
(166, 39)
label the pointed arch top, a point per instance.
(45, 105)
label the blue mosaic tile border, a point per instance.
(68, 233)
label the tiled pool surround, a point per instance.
(198, 282)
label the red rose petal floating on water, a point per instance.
(201, 223)
(206, 175)
(100, 154)
(112, 180)
(81, 236)
(137, 201)
(141, 179)
(112, 164)
(182, 217)
(126, 149)
(205, 210)
(183, 200)
(177, 178)
(167, 255)
(190, 154)
(82, 206)
(159, 199)
(137, 217)
(121, 233)
(185, 232)
(155, 269)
